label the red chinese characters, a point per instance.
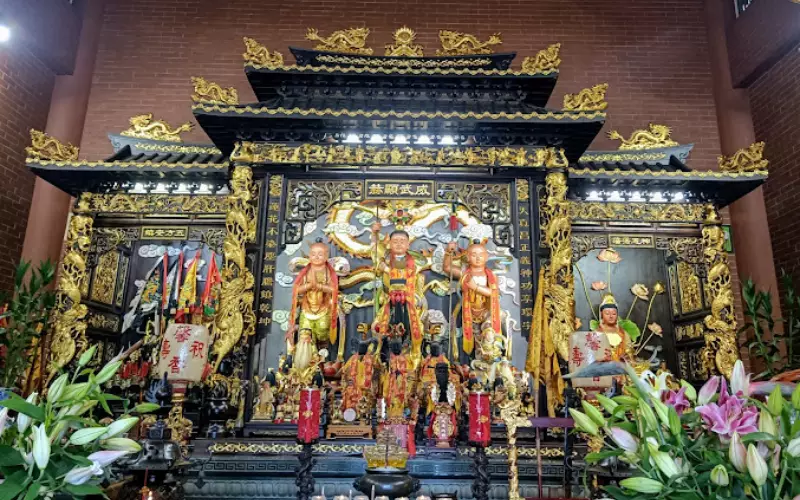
(593, 341)
(165, 348)
(175, 365)
(197, 349)
(182, 334)
(308, 418)
(479, 421)
(577, 356)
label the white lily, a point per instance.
(740, 380)
(41, 447)
(80, 475)
(3, 420)
(106, 457)
(23, 421)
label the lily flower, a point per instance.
(719, 475)
(624, 439)
(707, 391)
(729, 415)
(677, 400)
(23, 421)
(756, 466)
(737, 453)
(740, 380)
(41, 446)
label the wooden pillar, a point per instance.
(751, 235)
(49, 205)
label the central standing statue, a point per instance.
(398, 317)
(316, 291)
(480, 309)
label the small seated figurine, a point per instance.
(265, 404)
(443, 424)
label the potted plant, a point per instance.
(22, 320)
(57, 445)
(718, 443)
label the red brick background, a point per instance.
(775, 101)
(25, 87)
(653, 54)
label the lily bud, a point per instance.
(80, 475)
(796, 397)
(583, 422)
(737, 453)
(662, 411)
(121, 444)
(57, 388)
(593, 413)
(120, 426)
(740, 380)
(3, 420)
(648, 415)
(766, 423)
(87, 435)
(87, 356)
(756, 466)
(107, 372)
(642, 485)
(793, 448)
(719, 476)
(708, 391)
(608, 404)
(106, 458)
(23, 421)
(41, 447)
(775, 401)
(624, 439)
(663, 461)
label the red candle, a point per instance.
(480, 431)
(308, 419)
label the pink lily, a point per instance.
(707, 391)
(729, 415)
(677, 400)
(740, 380)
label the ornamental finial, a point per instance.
(349, 41)
(455, 43)
(749, 159)
(45, 147)
(210, 92)
(655, 137)
(545, 61)
(404, 45)
(592, 99)
(145, 127)
(257, 55)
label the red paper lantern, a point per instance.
(480, 431)
(308, 419)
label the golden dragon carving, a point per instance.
(145, 127)
(656, 136)
(349, 41)
(455, 43)
(256, 54)
(591, 99)
(545, 61)
(749, 159)
(210, 92)
(721, 352)
(45, 147)
(235, 316)
(69, 327)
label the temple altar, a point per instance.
(399, 232)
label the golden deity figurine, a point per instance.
(265, 404)
(398, 317)
(480, 309)
(358, 376)
(316, 292)
(397, 384)
(620, 342)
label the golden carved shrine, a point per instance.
(401, 231)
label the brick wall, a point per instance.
(653, 54)
(26, 84)
(775, 99)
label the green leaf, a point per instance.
(757, 436)
(593, 458)
(33, 491)
(84, 490)
(594, 325)
(13, 484)
(18, 404)
(146, 407)
(10, 457)
(630, 328)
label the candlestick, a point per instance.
(308, 418)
